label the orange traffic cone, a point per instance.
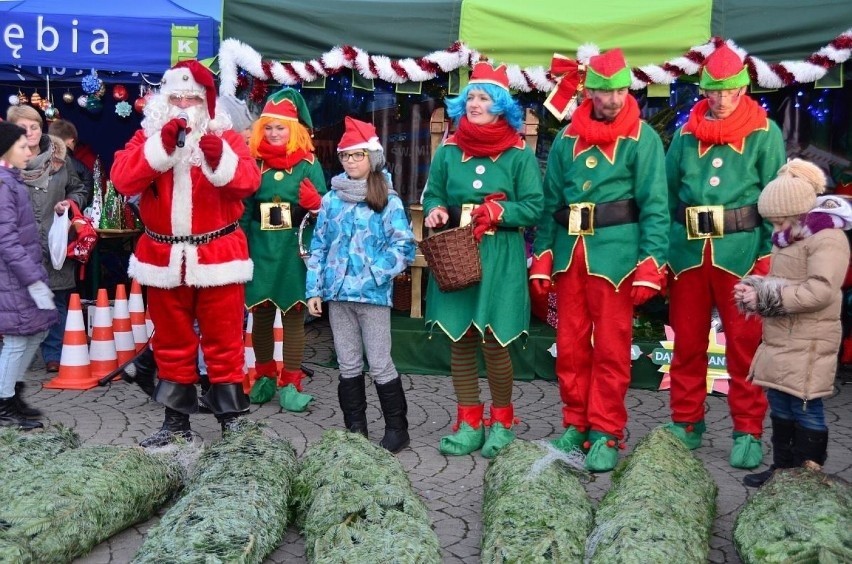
(74, 369)
(136, 306)
(278, 336)
(251, 374)
(122, 330)
(102, 354)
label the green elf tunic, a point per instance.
(279, 271)
(632, 167)
(732, 176)
(501, 301)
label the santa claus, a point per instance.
(191, 172)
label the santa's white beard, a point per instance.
(159, 111)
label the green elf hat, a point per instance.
(288, 104)
(607, 71)
(723, 70)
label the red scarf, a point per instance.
(485, 140)
(595, 132)
(748, 117)
(275, 156)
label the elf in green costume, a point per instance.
(486, 167)
(603, 239)
(292, 184)
(717, 164)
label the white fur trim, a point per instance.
(157, 276)
(157, 156)
(197, 275)
(181, 211)
(227, 167)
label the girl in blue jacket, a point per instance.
(362, 240)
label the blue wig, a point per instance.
(503, 104)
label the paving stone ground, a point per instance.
(451, 486)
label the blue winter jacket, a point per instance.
(356, 252)
(20, 260)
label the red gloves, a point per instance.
(169, 134)
(761, 267)
(212, 147)
(540, 271)
(309, 198)
(487, 215)
(648, 281)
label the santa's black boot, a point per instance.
(229, 403)
(783, 431)
(142, 371)
(181, 400)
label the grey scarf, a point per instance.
(38, 171)
(353, 190)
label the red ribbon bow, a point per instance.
(568, 75)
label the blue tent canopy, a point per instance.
(147, 36)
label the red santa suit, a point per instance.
(193, 255)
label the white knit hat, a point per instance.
(793, 191)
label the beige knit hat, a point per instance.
(793, 191)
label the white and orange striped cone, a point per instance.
(278, 336)
(136, 306)
(250, 373)
(122, 330)
(74, 369)
(102, 354)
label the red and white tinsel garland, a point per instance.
(234, 54)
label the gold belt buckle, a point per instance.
(466, 209)
(275, 216)
(694, 228)
(575, 218)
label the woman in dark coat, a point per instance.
(27, 310)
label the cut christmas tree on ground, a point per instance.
(660, 507)
(534, 507)
(800, 515)
(356, 504)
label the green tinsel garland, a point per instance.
(798, 516)
(235, 505)
(356, 504)
(660, 507)
(534, 507)
(59, 510)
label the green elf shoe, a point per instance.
(747, 452)
(689, 433)
(502, 420)
(262, 390)
(293, 400)
(469, 433)
(603, 452)
(572, 439)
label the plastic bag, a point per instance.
(57, 239)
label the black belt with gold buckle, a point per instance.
(199, 239)
(592, 216)
(709, 224)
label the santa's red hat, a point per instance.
(484, 73)
(191, 77)
(359, 135)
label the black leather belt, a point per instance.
(714, 221)
(297, 212)
(193, 239)
(455, 213)
(594, 216)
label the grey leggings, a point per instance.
(358, 328)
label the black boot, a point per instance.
(142, 371)
(809, 446)
(394, 409)
(180, 400)
(782, 452)
(229, 403)
(23, 407)
(353, 403)
(11, 417)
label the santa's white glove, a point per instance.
(41, 295)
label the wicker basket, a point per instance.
(402, 292)
(453, 257)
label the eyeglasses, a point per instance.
(190, 99)
(357, 156)
(723, 94)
